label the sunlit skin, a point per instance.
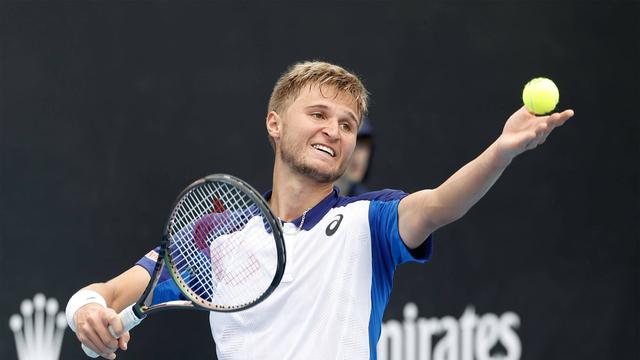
(319, 119)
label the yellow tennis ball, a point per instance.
(540, 96)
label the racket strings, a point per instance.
(221, 246)
(197, 265)
(247, 264)
(194, 260)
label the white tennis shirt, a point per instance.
(336, 285)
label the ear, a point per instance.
(274, 124)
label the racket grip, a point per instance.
(129, 320)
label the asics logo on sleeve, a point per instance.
(333, 225)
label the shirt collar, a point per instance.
(316, 213)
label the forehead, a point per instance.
(329, 96)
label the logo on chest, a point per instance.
(334, 225)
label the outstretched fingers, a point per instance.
(551, 122)
(559, 118)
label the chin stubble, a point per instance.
(290, 159)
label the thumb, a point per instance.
(123, 341)
(115, 324)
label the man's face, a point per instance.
(318, 133)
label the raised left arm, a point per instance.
(421, 213)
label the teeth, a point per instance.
(324, 148)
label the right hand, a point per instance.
(525, 131)
(92, 329)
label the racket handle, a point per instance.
(129, 320)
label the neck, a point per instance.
(293, 193)
(344, 185)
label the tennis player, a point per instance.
(341, 251)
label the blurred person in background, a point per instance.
(352, 182)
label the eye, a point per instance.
(346, 127)
(317, 115)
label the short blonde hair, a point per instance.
(308, 73)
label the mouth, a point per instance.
(324, 149)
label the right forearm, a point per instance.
(115, 299)
(103, 290)
(122, 290)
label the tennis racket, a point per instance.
(221, 245)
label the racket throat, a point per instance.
(137, 312)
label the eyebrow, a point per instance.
(325, 107)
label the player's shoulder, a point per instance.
(334, 203)
(379, 195)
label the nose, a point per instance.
(331, 129)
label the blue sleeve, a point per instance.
(148, 262)
(166, 289)
(386, 240)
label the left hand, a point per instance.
(525, 131)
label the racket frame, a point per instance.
(143, 306)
